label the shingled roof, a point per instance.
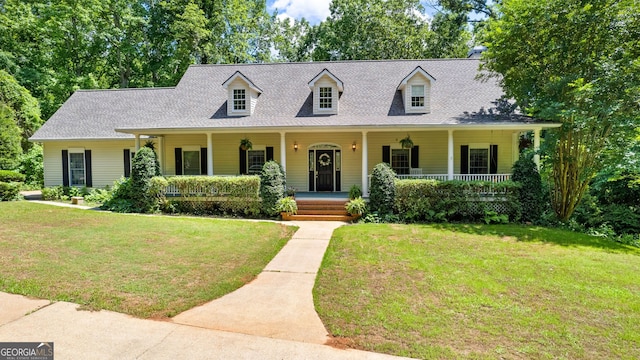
(198, 102)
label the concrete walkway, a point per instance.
(279, 302)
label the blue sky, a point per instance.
(312, 10)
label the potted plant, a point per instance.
(245, 144)
(287, 206)
(406, 143)
(356, 207)
(291, 191)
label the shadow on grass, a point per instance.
(540, 234)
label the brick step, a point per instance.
(340, 211)
(321, 202)
(321, 207)
(320, 217)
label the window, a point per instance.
(478, 161)
(239, 100)
(417, 95)
(77, 169)
(400, 161)
(325, 100)
(191, 162)
(255, 161)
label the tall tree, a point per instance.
(377, 29)
(21, 107)
(577, 63)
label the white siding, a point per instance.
(325, 81)
(417, 79)
(106, 158)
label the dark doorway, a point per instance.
(324, 167)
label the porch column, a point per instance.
(283, 151)
(137, 142)
(160, 153)
(365, 164)
(450, 155)
(209, 154)
(536, 147)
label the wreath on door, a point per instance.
(324, 160)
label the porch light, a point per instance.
(353, 146)
(295, 145)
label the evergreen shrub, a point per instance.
(272, 186)
(382, 193)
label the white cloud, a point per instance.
(314, 11)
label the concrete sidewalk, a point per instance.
(80, 334)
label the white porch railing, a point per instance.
(172, 190)
(494, 178)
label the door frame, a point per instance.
(312, 151)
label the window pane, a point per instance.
(255, 161)
(239, 100)
(191, 162)
(325, 98)
(478, 161)
(400, 161)
(417, 90)
(76, 168)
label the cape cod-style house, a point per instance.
(327, 123)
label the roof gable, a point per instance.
(417, 70)
(239, 75)
(328, 73)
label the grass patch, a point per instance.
(146, 266)
(473, 291)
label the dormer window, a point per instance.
(243, 95)
(417, 96)
(416, 91)
(326, 89)
(239, 100)
(326, 98)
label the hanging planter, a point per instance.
(245, 144)
(406, 143)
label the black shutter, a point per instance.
(464, 159)
(65, 167)
(269, 153)
(178, 161)
(493, 159)
(415, 157)
(243, 161)
(127, 162)
(386, 154)
(87, 164)
(312, 174)
(203, 161)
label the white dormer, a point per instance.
(242, 95)
(326, 89)
(416, 91)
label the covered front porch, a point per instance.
(321, 160)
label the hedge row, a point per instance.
(238, 195)
(431, 200)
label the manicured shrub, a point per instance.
(121, 198)
(383, 189)
(9, 191)
(143, 169)
(52, 193)
(210, 195)
(531, 194)
(150, 145)
(433, 201)
(272, 186)
(11, 176)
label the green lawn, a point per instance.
(147, 266)
(472, 291)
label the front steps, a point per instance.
(321, 210)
